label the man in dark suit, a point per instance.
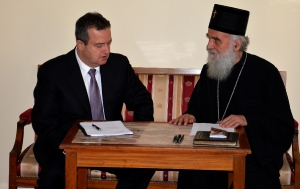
(62, 95)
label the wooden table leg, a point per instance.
(71, 170)
(239, 168)
(82, 178)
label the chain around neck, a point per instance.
(218, 99)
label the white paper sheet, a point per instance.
(108, 128)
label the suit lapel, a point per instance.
(75, 80)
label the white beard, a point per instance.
(220, 68)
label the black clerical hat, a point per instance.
(229, 20)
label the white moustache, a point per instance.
(212, 51)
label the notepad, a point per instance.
(107, 128)
(202, 139)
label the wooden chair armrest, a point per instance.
(26, 115)
(17, 148)
(19, 137)
(25, 119)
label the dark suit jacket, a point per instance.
(61, 97)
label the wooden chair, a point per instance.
(170, 89)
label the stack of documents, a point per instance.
(207, 134)
(202, 138)
(105, 128)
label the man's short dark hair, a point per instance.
(87, 21)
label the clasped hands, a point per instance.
(232, 121)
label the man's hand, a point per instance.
(184, 119)
(234, 121)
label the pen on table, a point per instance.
(180, 139)
(175, 139)
(98, 128)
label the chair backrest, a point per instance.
(170, 88)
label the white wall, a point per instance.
(156, 33)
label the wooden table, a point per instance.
(150, 146)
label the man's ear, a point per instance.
(237, 44)
(80, 45)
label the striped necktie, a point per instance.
(95, 97)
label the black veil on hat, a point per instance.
(229, 20)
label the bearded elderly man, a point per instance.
(238, 89)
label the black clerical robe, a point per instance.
(261, 97)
